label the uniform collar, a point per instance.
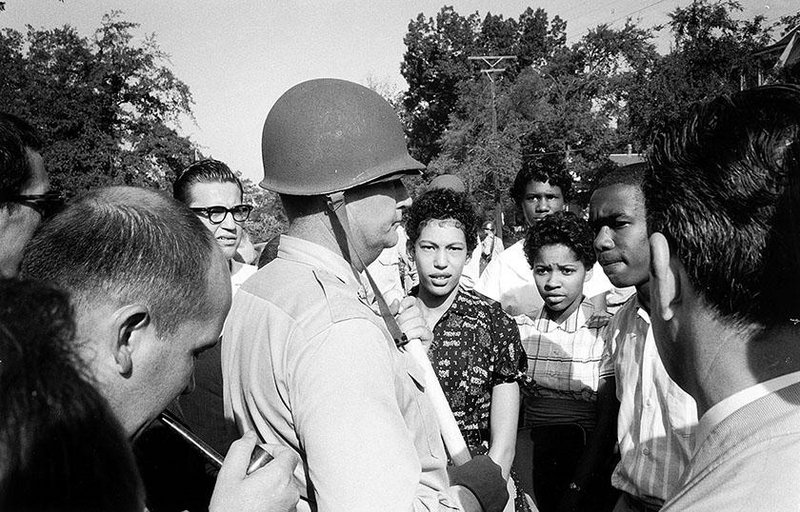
(314, 255)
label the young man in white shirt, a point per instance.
(656, 421)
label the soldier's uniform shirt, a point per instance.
(308, 364)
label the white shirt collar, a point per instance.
(736, 401)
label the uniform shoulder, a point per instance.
(306, 293)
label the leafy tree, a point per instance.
(106, 106)
(268, 217)
(712, 54)
(434, 64)
(788, 22)
(561, 108)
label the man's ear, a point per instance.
(665, 279)
(131, 324)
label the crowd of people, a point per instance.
(390, 353)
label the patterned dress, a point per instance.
(475, 347)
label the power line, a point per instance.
(624, 16)
(636, 11)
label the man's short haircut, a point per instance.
(555, 174)
(62, 447)
(441, 204)
(121, 245)
(724, 191)
(633, 175)
(203, 171)
(562, 228)
(16, 137)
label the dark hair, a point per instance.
(123, 244)
(562, 228)
(556, 175)
(62, 448)
(442, 203)
(633, 175)
(203, 171)
(725, 192)
(16, 138)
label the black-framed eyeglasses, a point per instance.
(217, 214)
(47, 204)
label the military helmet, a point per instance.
(328, 135)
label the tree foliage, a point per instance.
(560, 104)
(554, 103)
(107, 106)
(712, 55)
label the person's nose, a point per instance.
(401, 196)
(228, 223)
(603, 240)
(553, 282)
(440, 258)
(542, 205)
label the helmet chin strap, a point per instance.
(338, 207)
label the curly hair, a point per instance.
(562, 228)
(441, 203)
(556, 176)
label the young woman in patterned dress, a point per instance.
(476, 350)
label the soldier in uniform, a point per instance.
(307, 362)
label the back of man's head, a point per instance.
(725, 192)
(123, 245)
(16, 138)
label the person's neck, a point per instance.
(739, 358)
(560, 317)
(433, 307)
(317, 229)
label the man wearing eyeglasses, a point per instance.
(214, 193)
(24, 197)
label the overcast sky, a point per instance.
(239, 56)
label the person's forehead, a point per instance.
(535, 186)
(556, 253)
(389, 187)
(442, 229)
(210, 193)
(617, 199)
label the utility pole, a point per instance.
(492, 61)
